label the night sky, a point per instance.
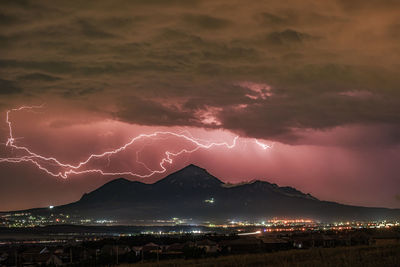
(311, 90)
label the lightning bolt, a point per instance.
(262, 145)
(42, 162)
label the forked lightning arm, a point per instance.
(69, 169)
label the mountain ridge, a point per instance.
(192, 192)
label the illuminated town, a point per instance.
(26, 219)
(62, 239)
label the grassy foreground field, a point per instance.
(365, 256)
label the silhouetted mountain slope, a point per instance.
(194, 193)
(190, 177)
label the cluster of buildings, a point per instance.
(109, 251)
(291, 225)
(27, 219)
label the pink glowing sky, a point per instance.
(337, 171)
(317, 80)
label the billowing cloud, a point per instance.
(309, 73)
(312, 56)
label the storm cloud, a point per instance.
(327, 65)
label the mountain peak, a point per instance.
(191, 176)
(194, 169)
(119, 181)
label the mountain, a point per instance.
(194, 193)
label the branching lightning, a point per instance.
(43, 162)
(262, 145)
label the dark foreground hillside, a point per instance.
(365, 256)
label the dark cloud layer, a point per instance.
(327, 64)
(8, 87)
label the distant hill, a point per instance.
(194, 193)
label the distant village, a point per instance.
(28, 219)
(105, 251)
